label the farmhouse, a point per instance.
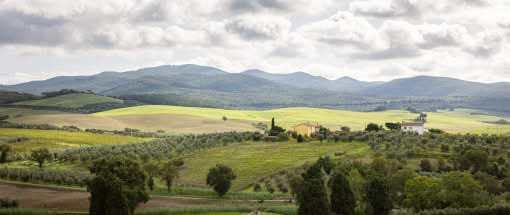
(418, 127)
(306, 129)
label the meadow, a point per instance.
(75, 100)
(58, 139)
(254, 161)
(459, 120)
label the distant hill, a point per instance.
(255, 89)
(428, 86)
(304, 80)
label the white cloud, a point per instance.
(367, 39)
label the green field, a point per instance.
(70, 100)
(20, 112)
(460, 120)
(254, 161)
(58, 139)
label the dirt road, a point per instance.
(64, 199)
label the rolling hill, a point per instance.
(256, 90)
(195, 120)
(428, 86)
(304, 80)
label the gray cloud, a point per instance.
(20, 28)
(258, 27)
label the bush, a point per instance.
(8, 203)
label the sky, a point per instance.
(370, 40)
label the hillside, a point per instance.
(304, 80)
(75, 100)
(195, 120)
(428, 86)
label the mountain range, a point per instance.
(254, 89)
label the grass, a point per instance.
(70, 100)
(459, 120)
(19, 112)
(59, 139)
(253, 161)
(223, 210)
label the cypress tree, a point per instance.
(272, 124)
(342, 198)
(378, 197)
(312, 198)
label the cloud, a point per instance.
(410, 8)
(259, 27)
(278, 6)
(486, 44)
(343, 29)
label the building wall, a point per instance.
(303, 130)
(417, 129)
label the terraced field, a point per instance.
(253, 161)
(57, 139)
(20, 112)
(70, 100)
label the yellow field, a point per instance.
(174, 123)
(459, 120)
(59, 139)
(178, 119)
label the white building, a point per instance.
(418, 127)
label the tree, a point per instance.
(295, 185)
(168, 173)
(425, 165)
(326, 163)
(475, 159)
(4, 150)
(357, 184)
(40, 156)
(275, 130)
(312, 198)
(460, 189)
(422, 193)
(152, 170)
(393, 126)
(372, 127)
(117, 188)
(220, 178)
(378, 198)
(257, 187)
(300, 138)
(342, 198)
(397, 184)
(225, 118)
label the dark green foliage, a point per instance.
(49, 176)
(342, 198)
(425, 165)
(312, 198)
(283, 136)
(257, 187)
(345, 128)
(506, 184)
(436, 131)
(275, 130)
(326, 163)
(4, 150)
(7, 97)
(8, 203)
(117, 188)
(461, 190)
(167, 99)
(220, 178)
(169, 172)
(378, 197)
(40, 156)
(300, 138)
(496, 210)
(4, 117)
(380, 108)
(372, 127)
(473, 159)
(445, 148)
(393, 126)
(58, 93)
